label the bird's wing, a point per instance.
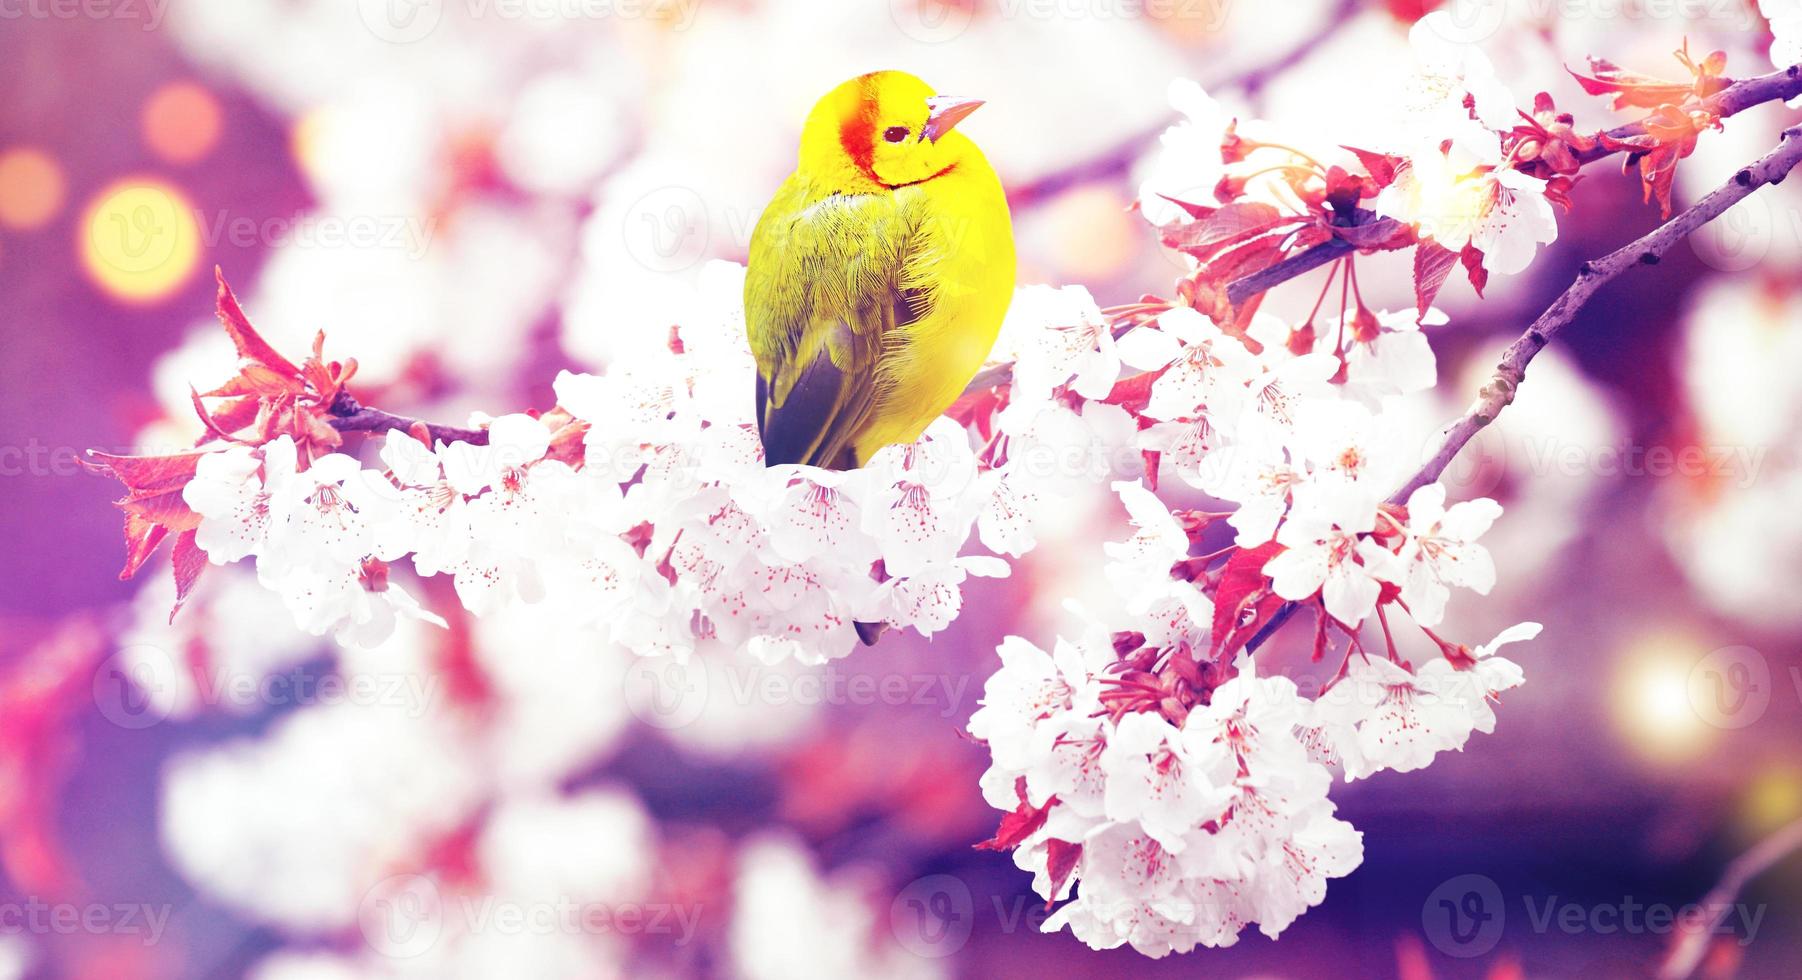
(824, 295)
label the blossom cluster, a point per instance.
(1145, 765)
(1182, 823)
(644, 499)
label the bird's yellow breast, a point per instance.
(966, 258)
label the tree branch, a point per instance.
(1118, 159)
(1778, 86)
(1646, 250)
(1692, 937)
(346, 415)
(1774, 87)
(1741, 95)
(1264, 280)
(1498, 393)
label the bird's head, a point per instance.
(886, 129)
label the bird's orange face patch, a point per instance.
(866, 135)
(857, 133)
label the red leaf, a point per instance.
(206, 417)
(164, 507)
(153, 501)
(1380, 166)
(236, 414)
(1472, 257)
(1060, 864)
(1020, 824)
(142, 474)
(1629, 88)
(1134, 392)
(188, 561)
(325, 377)
(1267, 606)
(1194, 210)
(1245, 258)
(250, 344)
(1432, 265)
(1241, 581)
(1229, 224)
(977, 409)
(1314, 234)
(141, 539)
(1212, 282)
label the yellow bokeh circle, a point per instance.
(140, 239)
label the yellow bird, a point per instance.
(879, 274)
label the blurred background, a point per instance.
(468, 195)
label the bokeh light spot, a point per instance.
(303, 140)
(140, 240)
(31, 189)
(1092, 235)
(182, 122)
(1652, 706)
(1773, 799)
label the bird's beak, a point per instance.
(945, 111)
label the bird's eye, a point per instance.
(895, 134)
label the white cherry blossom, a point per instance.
(234, 502)
(1325, 551)
(1441, 551)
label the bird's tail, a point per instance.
(869, 633)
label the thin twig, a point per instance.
(1778, 86)
(1774, 87)
(1591, 276)
(346, 415)
(1646, 250)
(1119, 158)
(1692, 937)
(1264, 280)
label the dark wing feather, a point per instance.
(823, 298)
(822, 408)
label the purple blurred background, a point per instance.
(1603, 786)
